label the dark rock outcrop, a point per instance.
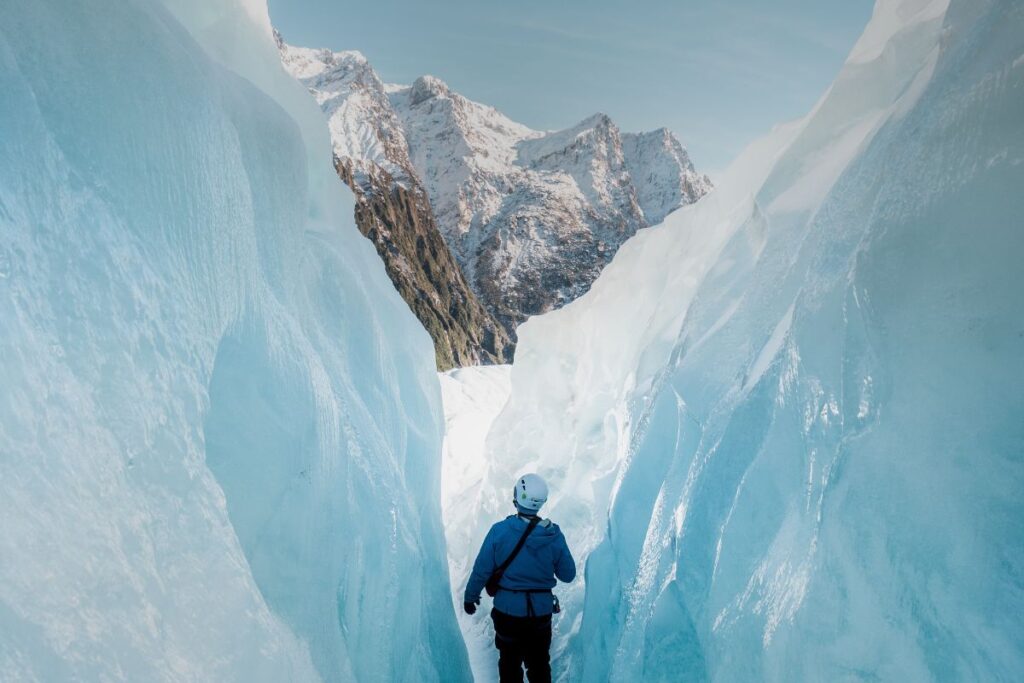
(397, 218)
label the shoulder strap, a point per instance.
(500, 571)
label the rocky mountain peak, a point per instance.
(531, 217)
(600, 121)
(425, 88)
(596, 135)
(663, 173)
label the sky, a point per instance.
(718, 73)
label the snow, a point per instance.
(653, 160)
(359, 118)
(782, 429)
(473, 397)
(220, 427)
(519, 206)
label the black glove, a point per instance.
(470, 607)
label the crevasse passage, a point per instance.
(783, 428)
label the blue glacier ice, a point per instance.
(785, 429)
(220, 427)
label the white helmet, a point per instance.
(530, 492)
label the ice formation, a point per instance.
(783, 430)
(219, 425)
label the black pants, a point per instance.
(522, 640)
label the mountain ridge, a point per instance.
(530, 217)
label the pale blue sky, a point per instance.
(719, 74)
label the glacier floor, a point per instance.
(472, 398)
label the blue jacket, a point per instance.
(543, 557)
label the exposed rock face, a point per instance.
(399, 222)
(531, 217)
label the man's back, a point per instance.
(543, 558)
(523, 602)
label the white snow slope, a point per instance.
(220, 427)
(783, 429)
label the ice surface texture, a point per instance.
(219, 425)
(784, 428)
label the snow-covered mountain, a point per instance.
(363, 125)
(531, 217)
(662, 172)
(393, 208)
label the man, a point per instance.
(523, 603)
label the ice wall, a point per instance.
(784, 428)
(219, 424)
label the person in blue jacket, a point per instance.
(523, 603)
